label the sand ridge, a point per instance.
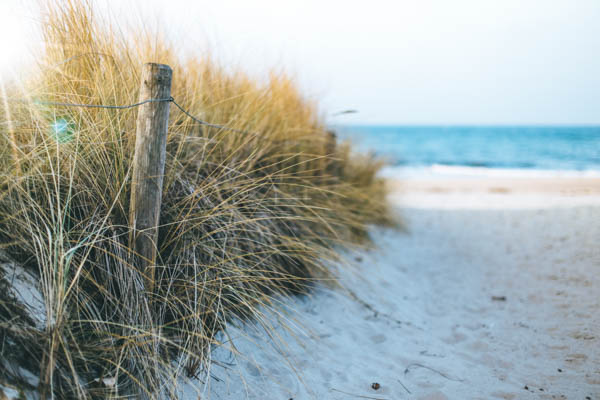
(471, 302)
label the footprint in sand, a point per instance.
(378, 339)
(455, 338)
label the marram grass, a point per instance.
(246, 217)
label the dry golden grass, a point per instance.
(245, 216)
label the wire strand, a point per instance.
(127, 106)
(201, 122)
(111, 107)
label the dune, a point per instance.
(486, 294)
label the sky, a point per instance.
(470, 62)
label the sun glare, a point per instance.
(15, 34)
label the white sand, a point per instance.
(432, 322)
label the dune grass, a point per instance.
(246, 217)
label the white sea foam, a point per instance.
(455, 171)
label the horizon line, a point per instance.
(466, 125)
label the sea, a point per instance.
(512, 151)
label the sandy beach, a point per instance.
(491, 292)
(494, 192)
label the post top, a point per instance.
(157, 66)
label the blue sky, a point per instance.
(397, 62)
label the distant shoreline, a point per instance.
(494, 192)
(439, 171)
(558, 185)
(465, 125)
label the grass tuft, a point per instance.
(245, 217)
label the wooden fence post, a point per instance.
(149, 166)
(330, 148)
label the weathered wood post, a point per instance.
(330, 148)
(149, 166)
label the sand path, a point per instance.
(469, 303)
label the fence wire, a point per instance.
(59, 104)
(127, 106)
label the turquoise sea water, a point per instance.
(482, 147)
